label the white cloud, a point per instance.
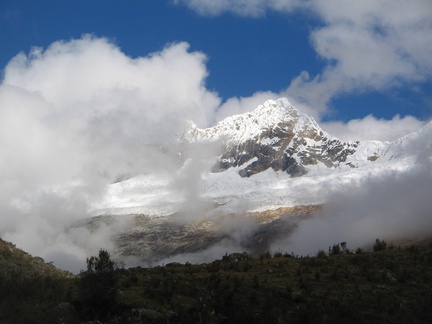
(90, 69)
(368, 45)
(76, 116)
(371, 128)
(391, 207)
(254, 8)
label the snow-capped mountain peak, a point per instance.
(274, 135)
(251, 124)
(270, 160)
(274, 156)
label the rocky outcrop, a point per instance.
(275, 135)
(151, 240)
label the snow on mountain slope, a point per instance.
(240, 128)
(272, 157)
(226, 192)
(276, 135)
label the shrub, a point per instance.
(336, 249)
(97, 287)
(379, 245)
(344, 247)
(277, 255)
(321, 254)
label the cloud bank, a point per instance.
(371, 128)
(79, 115)
(393, 206)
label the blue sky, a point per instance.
(245, 55)
(257, 46)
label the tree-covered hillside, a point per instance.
(389, 285)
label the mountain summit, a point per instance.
(274, 156)
(278, 136)
(272, 168)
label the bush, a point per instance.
(379, 245)
(336, 249)
(321, 254)
(97, 287)
(277, 255)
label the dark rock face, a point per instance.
(152, 240)
(275, 135)
(281, 149)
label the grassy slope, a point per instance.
(31, 291)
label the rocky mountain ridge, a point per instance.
(278, 136)
(283, 157)
(267, 164)
(151, 241)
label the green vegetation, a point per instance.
(379, 245)
(97, 288)
(32, 291)
(391, 285)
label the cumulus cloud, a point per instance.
(371, 128)
(79, 115)
(370, 45)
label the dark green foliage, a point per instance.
(379, 245)
(393, 286)
(344, 288)
(97, 287)
(32, 291)
(336, 249)
(321, 254)
(339, 249)
(100, 265)
(265, 255)
(277, 255)
(344, 247)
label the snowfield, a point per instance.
(226, 192)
